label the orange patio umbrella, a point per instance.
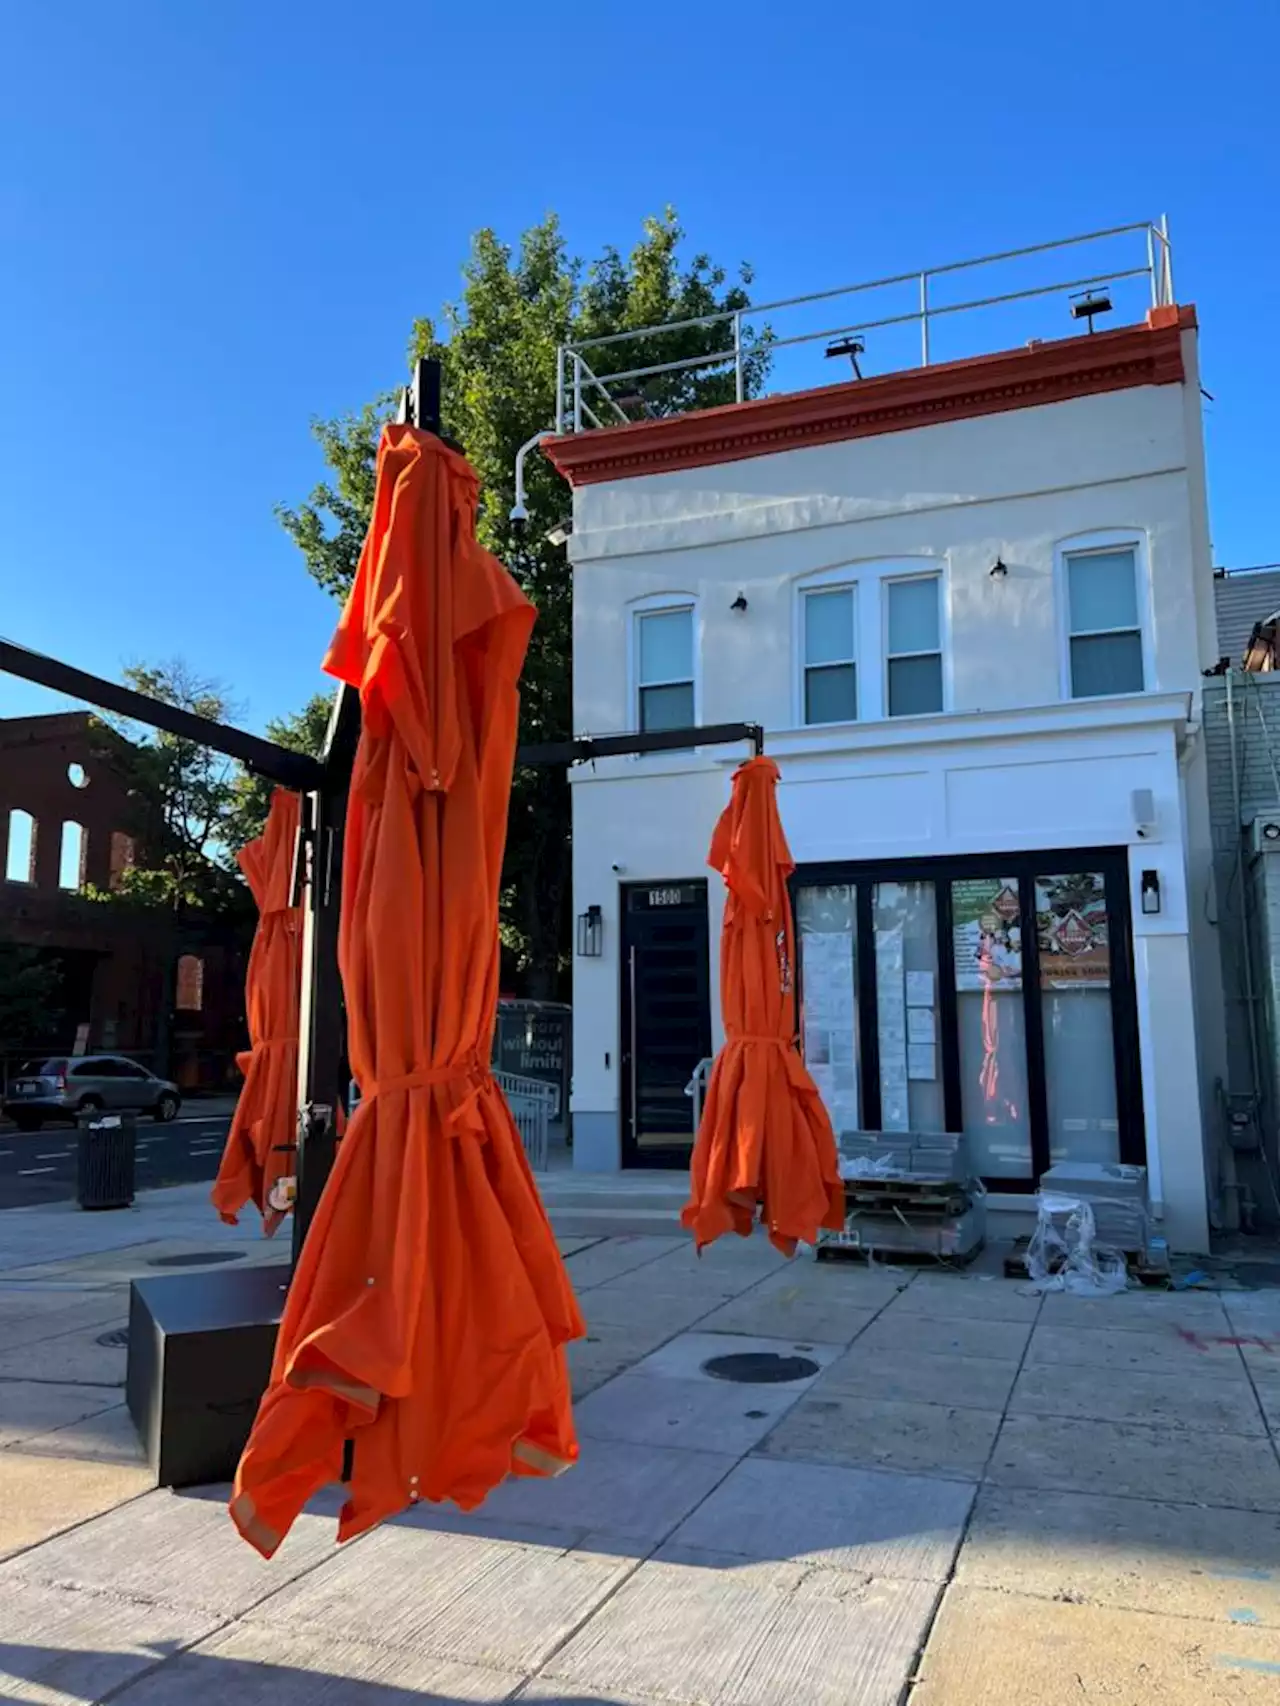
(258, 1149)
(430, 1307)
(765, 1143)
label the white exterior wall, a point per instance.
(952, 496)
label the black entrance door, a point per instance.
(666, 1018)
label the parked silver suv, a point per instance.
(64, 1087)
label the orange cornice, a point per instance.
(1149, 354)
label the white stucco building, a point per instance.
(970, 605)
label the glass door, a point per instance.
(989, 996)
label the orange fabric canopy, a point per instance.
(765, 1141)
(259, 1145)
(428, 1313)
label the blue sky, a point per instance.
(218, 221)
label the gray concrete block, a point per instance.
(999, 1341)
(62, 1647)
(957, 1297)
(691, 1414)
(904, 1526)
(684, 1357)
(628, 1492)
(1168, 1351)
(751, 1637)
(254, 1666)
(29, 1407)
(70, 1358)
(974, 1383)
(1191, 1401)
(38, 1501)
(996, 1647)
(454, 1596)
(1176, 1559)
(879, 1433)
(1140, 1462)
(173, 1549)
(632, 1304)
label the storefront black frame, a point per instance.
(1112, 864)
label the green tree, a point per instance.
(30, 996)
(305, 732)
(497, 348)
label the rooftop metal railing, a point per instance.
(587, 389)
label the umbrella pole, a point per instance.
(323, 1070)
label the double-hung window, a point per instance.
(830, 655)
(913, 660)
(664, 668)
(1104, 625)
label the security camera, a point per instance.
(519, 516)
(617, 868)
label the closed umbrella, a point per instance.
(765, 1144)
(430, 1307)
(257, 1152)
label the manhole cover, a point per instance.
(760, 1368)
(196, 1259)
(115, 1338)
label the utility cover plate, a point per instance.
(196, 1259)
(760, 1368)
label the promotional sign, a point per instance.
(987, 933)
(1071, 929)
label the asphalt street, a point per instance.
(40, 1166)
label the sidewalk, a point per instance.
(975, 1496)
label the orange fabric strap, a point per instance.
(468, 1070)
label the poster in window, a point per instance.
(987, 933)
(1071, 930)
(829, 1016)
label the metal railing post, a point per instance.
(1168, 260)
(1151, 266)
(924, 319)
(559, 388)
(577, 392)
(739, 377)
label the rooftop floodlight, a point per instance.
(852, 347)
(1086, 303)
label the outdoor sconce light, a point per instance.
(559, 534)
(590, 933)
(740, 603)
(1150, 892)
(999, 569)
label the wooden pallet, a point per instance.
(911, 1196)
(1141, 1268)
(895, 1257)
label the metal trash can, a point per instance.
(105, 1161)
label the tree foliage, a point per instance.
(30, 995)
(497, 348)
(304, 732)
(186, 792)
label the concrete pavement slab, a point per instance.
(107, 1437)
(956, 1297)
(976, 1383)
(886, 1433)
(1180, 1560)
(683, 1358)
(1137, 1311)
(1137, 1462)
(611, 1341)
(28, 1315)
(1181, 1400)
(454, 1596)
(32, 1407)
(251, 1666)
(70, 1358)
(638, 1307)
(616, 1491)
(65, 1647)
(995, 1648)
(905, 1526)
(998, 1341)
(864, 1288)
(173, 1549)
(791, 1315)
(692, 1414)
(754, 1636)
(613, 1256)
(36, 1503)
(1166, 1351)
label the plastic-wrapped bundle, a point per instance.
(1064, 1253)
